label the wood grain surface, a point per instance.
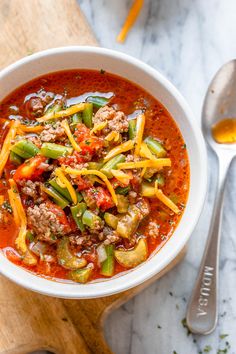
(28, 26)
(30, 321)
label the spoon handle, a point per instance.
(202, 310)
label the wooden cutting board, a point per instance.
(29, 321)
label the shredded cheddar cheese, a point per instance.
(21, 239)
(99, 174)
(64, 113)
(31, 129)
(165, 200)
(128, 145)
(17, 200)
(67, 184)
(131, 18)
(158, 163)
(113, 136)
(21, 221)
(4, 154)
(146, 152)
(1, 199)
(94, 179)
(98, 127)
(66, 127)
(121, 176)
(143, 171)
(147, 191)
(12, 201)
(139, 133)
(59, 182)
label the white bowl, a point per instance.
(152, 81)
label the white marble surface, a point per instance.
(188, 41)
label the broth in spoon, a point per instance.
(224, 131)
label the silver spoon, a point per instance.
(220, 103)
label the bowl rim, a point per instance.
(19, 275)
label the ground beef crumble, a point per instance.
(35, 140)
(110, 236)
(132, 197)
(44, 222)
(129, 158)
(153, 229)
(32, 189)
(80, 240)
(52, 132)
(117, 121)
(143, 206)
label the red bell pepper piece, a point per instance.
(30, 169)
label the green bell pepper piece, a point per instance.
(66, 259)
(80, 275)
(112, 165)
(111, 220)
(87, 115)
(77, 212)
(25, 149)
(90, 219)
(108, 266)
(98, 101)
(54, 151)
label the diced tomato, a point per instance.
(60, 214)
(30, 169)
(72, 223)
(102, 197)
(89, 144)
(115, 183)
(89, 147)
(81, 132)
(73, 159)
(82, 183)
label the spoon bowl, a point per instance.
(220, 103)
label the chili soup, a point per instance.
(94, 175)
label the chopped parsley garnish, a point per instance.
(207, 349)
(184, 324)
(222, 336)
(6, 206)
(225, 350)
(30, 236)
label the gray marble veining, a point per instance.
(187, 41)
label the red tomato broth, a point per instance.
(127, 97)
